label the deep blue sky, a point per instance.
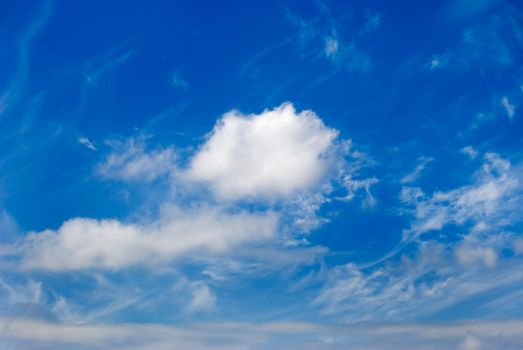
(303, 174)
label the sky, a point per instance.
(261, 175)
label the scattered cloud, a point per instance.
(289, 162)
(331, 47)
(14, 91)
(470, 152)
(436, 275)
(87, 143)
(416, 173)
(323, 36)
(373, 20)
(131, 161)
(510, 108)
(437, 61)
(494, 184)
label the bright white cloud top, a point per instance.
(271, 155)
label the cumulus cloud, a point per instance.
(437, 61)
(130, 161)
(288, 161)
(110, 244)
(272, 155)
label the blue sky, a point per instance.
(261, 175)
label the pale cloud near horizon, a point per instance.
(41, 334)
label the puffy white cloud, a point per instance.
(289, 160)
(110, 244)
(271, 155)
(130, 161)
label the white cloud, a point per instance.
(272, 155)
(110, 244)
(437, 61)
(331, 47)
(87, 143)
(431, 277)
(289, 160)
(470, 152)
(194, 296)
(471, 343)
(130, 161)
(31, 292)
(510, 108)
(468, 255)
(488, 198)
(203, 299)
(416, 173)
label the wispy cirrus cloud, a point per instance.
(480, 202)
(322, 36)
(130, 161)
(84, 141)
(12, 93)
(434, 275)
